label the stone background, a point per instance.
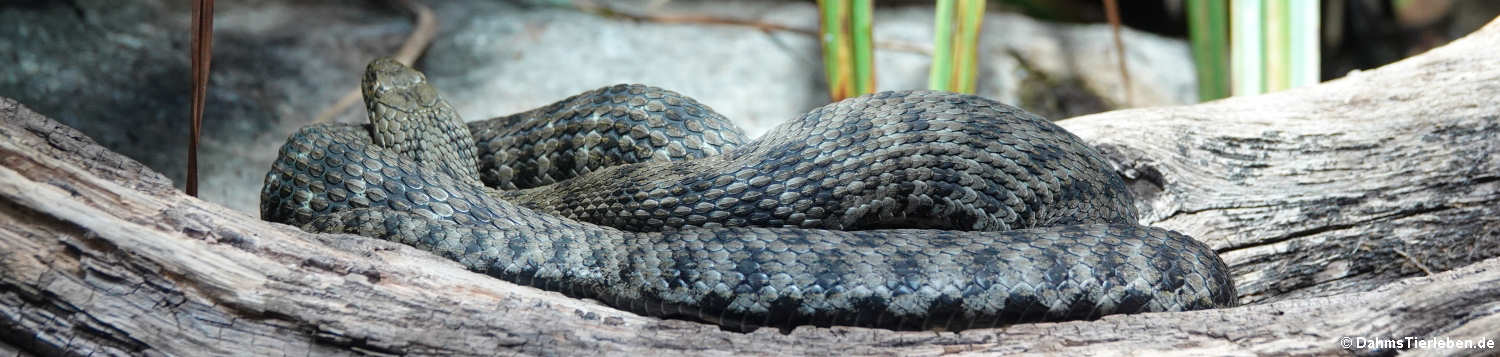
(120, 72)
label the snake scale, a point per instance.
(909, 210)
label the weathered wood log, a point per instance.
(1365, 208)
(1335, 188)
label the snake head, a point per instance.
(409, 117)
(393, 85)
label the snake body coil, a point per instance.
(650, 202)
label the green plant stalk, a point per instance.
(1304, 43)
(835, 39)
(966, 46)
(845, 55)
(942, 47)
(1208, 29)
(1276, 17)
(1246, 58)
(864, 56)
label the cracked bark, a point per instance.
(1336, 188)
(1328, 202)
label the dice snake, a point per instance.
(907, 210)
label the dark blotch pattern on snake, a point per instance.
(899, 210)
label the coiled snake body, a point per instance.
(900, 210)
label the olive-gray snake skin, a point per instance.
(900, 210)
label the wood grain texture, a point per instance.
(1329, 189)
(1331, 203)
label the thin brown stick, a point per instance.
(606, 11)
(202, 53)
(1112, 10)
(1414, 261)
(423, 31)
(704, 19)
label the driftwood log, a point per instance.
(1366, 207)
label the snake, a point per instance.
(901, 210)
